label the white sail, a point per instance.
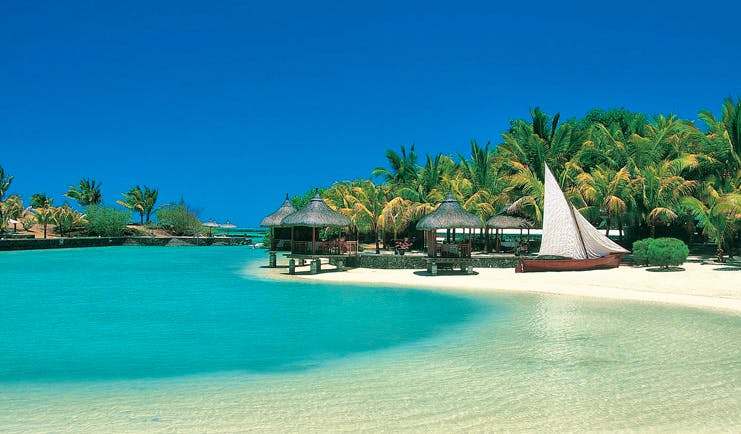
(566, 232)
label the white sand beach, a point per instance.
(711, 286)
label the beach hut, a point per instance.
(449, 215)
(304, 224)
(503, 221)
(280, 236)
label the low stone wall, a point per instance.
(416, 262)
(62, 243)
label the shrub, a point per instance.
(106, 221)
(666, 252)
(178, 220)
(640, 251)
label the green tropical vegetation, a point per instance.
(87, 192)
(141, 200)
(634, 175)
(97, 219)
(665, 252)
(179, 219)
(106, 221)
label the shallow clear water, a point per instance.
(190, 339)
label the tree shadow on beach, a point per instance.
(729, 268)
(422, 273)
(664, 270)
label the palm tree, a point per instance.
(723, 143)
(480, 170)
(141, 201)
(530, 204)
(44, 215)
(5, 181)
(369, 201)
(39, 200)
(86, 193)
(662, 187)
(718, 215)
(404, 168)
(608, 194)
(66, 219)
(395, 215)
(531, 144)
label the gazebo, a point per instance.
(449, 215)
(503, 221)
(280, 236)
(304, 244)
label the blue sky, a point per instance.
(232, 104)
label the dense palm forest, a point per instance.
(635, 175)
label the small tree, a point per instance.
(66, 220)
(640, 251)
(44, 216)
(666, 252)
(178, 219)
(106, 221)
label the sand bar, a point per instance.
(710, 286)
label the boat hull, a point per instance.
(526, 265)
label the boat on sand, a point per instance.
(569, 242)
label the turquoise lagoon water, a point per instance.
(146, 339)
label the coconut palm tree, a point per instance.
(44, 214)
(141, 200)
(86, 193)
(404, 168)
(5, 181)
(662, 188)
(608, 194)
(718, 214)
(396, 215)
(723, 143)
(532, 144)
(369, 201)
(480, 169)
(66, 219)
(39, 200)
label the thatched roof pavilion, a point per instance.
(275, 219)
(503, 221)
(316, 214)
(449, 215)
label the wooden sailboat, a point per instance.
(569, 241)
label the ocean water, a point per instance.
(146, 339)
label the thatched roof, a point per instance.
(316, 214)
(274, 220)
(450, 214)
(509, 222)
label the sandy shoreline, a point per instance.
(709, 286)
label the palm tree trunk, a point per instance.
(378, 247)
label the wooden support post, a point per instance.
(292, 266)
(318, 265)
(273, 260)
